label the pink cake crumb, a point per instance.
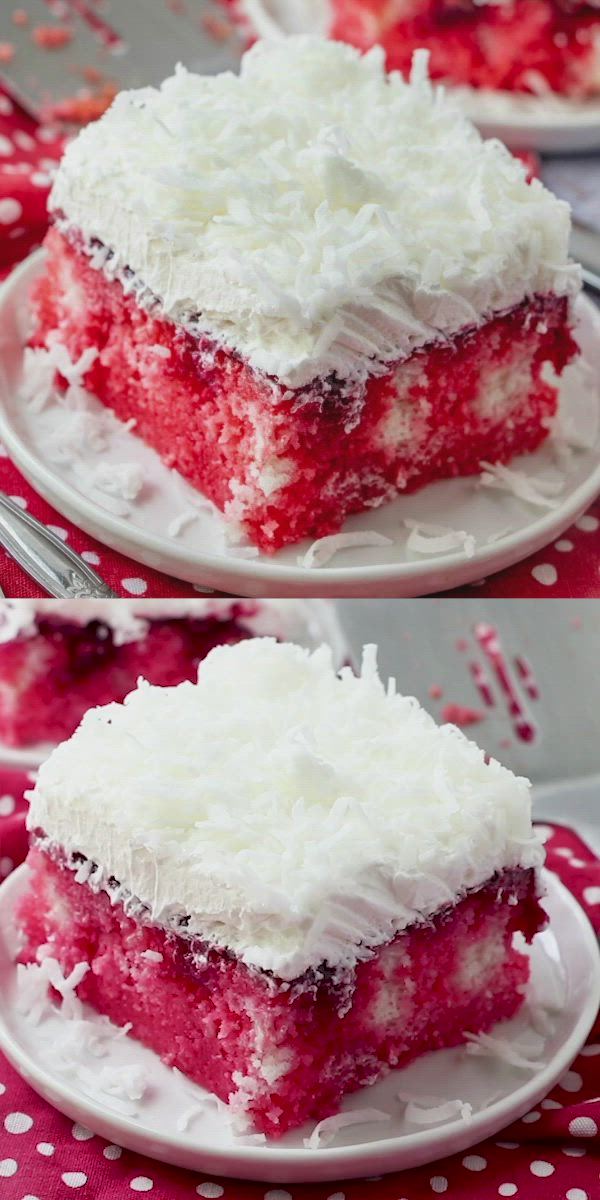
(51, 37)
(462, 715)
(285, 1053)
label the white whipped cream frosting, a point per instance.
(296, 816)
(312, 213)
(306, 620)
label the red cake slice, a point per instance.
(288, 881)
(311, 287)
(536, 46)
(59, 658)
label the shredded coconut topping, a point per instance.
(312, 213)
(325, 1131)
(438, 539)
(295, 815)
(535, 490)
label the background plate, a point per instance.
(564, 960)
(505, 529)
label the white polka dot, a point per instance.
(8, 1166)
(10, 211)
(6, 146)
(81, 1133)
(6, 106)
(6, 866)
(571, 1081)
(7, 805)
(17, 1122)
(550, 1104)
(74, 1179)
(137, 587)
(28, 1197)
(46, 133)
(594, 1047)
(563, 851)
(576, 1194)
(438, 1184)
(583, 1127)
(59, 531)
(211, 1190)
(563, 545)
(573, 1151)
(541, 1168)
(577, 862)
(507, 1145)
(40, 179)
(337, 1196)
(141, 1183)
(20, 501)
(587, 524)
(91, 557)
(474, 1162)
(507, 1189)
(530, 1117)
(112, 1152)
(2, 1089)
(45, 1148)
(545, 574)
(278, 1194)
(24, 140)
(591, 895)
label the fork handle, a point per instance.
(57, 568)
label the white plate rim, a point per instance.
(254, 577)
(342, 1161)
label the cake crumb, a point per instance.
(51, 37)
(217, 27)
(462, 715)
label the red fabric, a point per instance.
(545, 1158)
(26, 156)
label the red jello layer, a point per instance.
(480, 396)
(527, 45)
(287, 1053)
(48, 682)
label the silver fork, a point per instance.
(57, 568)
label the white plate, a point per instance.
(565, 962)
(505, 529)
(524, 122)
(25, 757)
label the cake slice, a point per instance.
(287, 880)
(536, 46)
(312, 287)
(59, 658)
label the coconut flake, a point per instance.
(535, 490)
(425, 538)
(523, 1052)
(432, 1110)
(323, 549)
(180, 522)
(325, 1131)
(122, 480)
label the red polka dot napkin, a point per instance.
(553, 1153)
(28, 155)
